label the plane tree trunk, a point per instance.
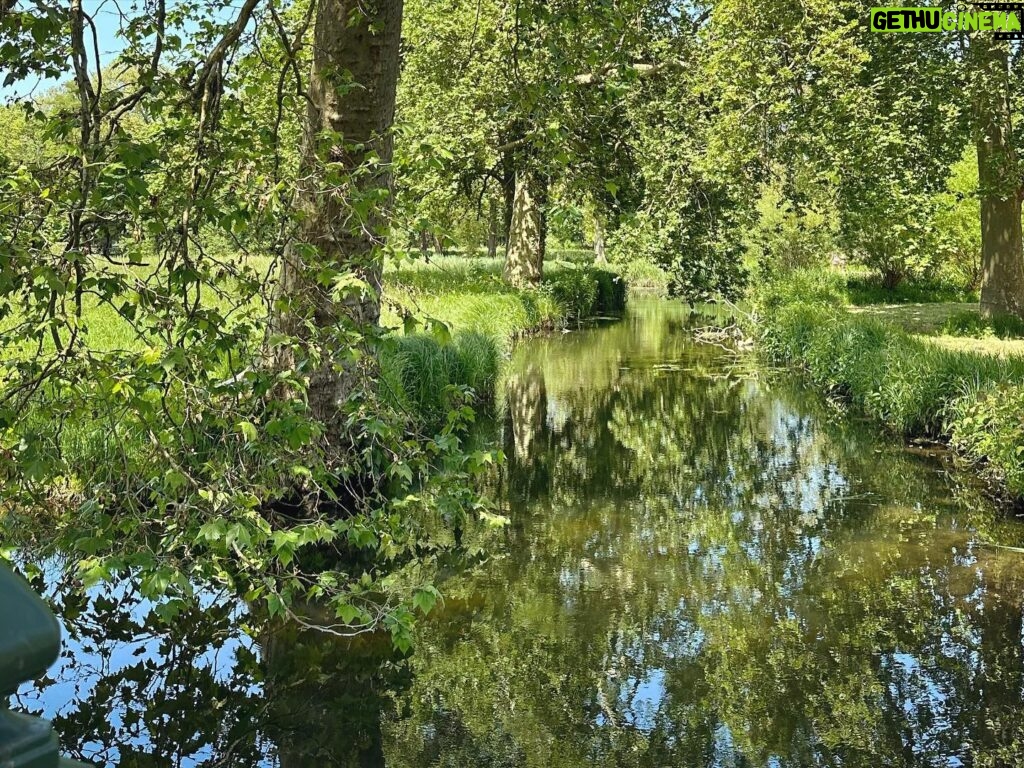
(1002, 267)
(524, 259)
(328, 300)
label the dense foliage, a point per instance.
(203, 206)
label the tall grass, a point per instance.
(429, 378)
(428, 373)
(971, 323)
(975, 401)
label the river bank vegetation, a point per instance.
(970, 397)
(261, 262)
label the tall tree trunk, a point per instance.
(524, 260)
(599, 255)
(492, 229)
(341, 202)
(508, 190)
(1002, 280)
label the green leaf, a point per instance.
(248, 431)
(425, 599)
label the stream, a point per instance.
(705, 565)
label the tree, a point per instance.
(518, 101)
(527, 237)
(198, 418)
(331, 275)
(999, 177)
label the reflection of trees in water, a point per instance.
(527, 404)
(135, 689)
(701, 571)
(326, 696)
(707, 571)
(196, 690)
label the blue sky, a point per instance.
(107, 18)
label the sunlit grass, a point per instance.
(967, 390)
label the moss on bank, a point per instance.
(972, 400)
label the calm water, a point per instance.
(705, 567)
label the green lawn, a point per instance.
(926, 321)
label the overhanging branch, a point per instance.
(223, 46)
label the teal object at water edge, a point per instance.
(29, 644)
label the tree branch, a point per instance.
(639, 68)
(221, 49)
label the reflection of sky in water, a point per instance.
(740, 606)
(927, 706)
(83, 664)
(642, 698)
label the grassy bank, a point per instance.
(973, 400)
(462, 319)
(451, 325)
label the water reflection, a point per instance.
(705, 567)
(139, 688)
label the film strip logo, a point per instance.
(1017, 8)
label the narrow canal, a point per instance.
(705, 566)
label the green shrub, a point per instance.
(575, 291)
(784, 237)
(611, 292)
(816, 286)
(988, 428)
(956, 220)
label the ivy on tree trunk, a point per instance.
(330, 282)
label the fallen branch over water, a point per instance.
(722, 336)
